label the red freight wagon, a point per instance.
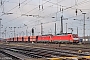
(19, 39)
(8, 39)
(33, 38)
(11, 39)
(15, 38)
(25, 38)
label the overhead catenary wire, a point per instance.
(71, 8)
(47, 1)
(19, 4)
(14, 7)
(16, 17)
(25, 13)
(42, 16)
(56, 21)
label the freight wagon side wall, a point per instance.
(19, 39)
(28, 38)
(8, 39)
(11, 39)
(25, 38)
(15, 39)
(33, 38)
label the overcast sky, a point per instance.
(20, 10)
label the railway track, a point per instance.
(7, 56)
(56, 46)
(67, 47)
(3, 56)
(76, 49)
(10, 55)
(42, 52)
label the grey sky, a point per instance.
(51, 8)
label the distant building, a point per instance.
(85, 39)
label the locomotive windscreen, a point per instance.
(75, 37)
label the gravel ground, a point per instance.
(51, 46)
(4, 57)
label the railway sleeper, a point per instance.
(9, 55)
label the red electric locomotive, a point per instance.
(72, 38)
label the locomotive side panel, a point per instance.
(43, 38)
(63, 38)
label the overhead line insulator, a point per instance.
(39, 7)
(76, 12)
(19, 5)
(42, 7)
